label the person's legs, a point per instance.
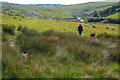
(80, 32)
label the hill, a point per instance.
(110, 10)
(61, 11)
(35, 11)
(7, 3)
(110, 14)
(86, 8)
(46, 5)
(114, 16)
(42, 5)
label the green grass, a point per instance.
(52, 55)
(36, 11)
(114, 16)
(80, 9)
(61, 26)
(55, 50)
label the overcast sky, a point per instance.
(49, 1)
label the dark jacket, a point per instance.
(80, 28)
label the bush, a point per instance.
(107, 27)
(8, 29)
(116, 21)
(20, 28)
(92, 34)
(107, 20)
(95, 19)
(94, 27)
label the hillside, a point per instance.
(7, 3)
(54, 54)
(61, 11)
(86, 8)
(110, 10)
(41, 5)
(46, 5)
(109, 14)
(36, 11)
(114, 16)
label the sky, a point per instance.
(49, 1)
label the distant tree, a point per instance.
(95, 14)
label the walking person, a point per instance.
(80, 29)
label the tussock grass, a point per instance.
(54, 54)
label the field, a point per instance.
(87, 8)
(55, 50)
(61, 26)
(114, 16)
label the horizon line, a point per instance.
(59, 4)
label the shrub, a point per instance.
(94, 27)
(110, 20)
(8, 29)
(113, 29)
(107, 27)
(20, 28)
(95, 19)
(92, 34)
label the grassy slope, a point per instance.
(114, 16)
(79, 9)
(61, 12)
(36, 11)
(52, 55)
(42, 5)
(61, 26)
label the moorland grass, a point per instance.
(54, 54)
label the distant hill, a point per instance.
(86, 8)
(46, 5)
(110, 14)
(35, 11)
(112, 0)
(7, 3)
(111, 11)
(56, 11)
(42, 5)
